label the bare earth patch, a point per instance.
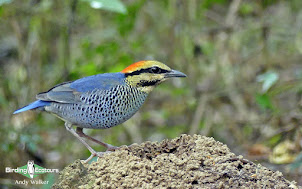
(184, 162)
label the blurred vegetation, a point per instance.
(242, 58)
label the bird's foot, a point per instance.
(88, 159)
(111, 148)
(96, 154)
(101, 154)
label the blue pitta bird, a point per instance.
(102, 101)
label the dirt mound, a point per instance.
(184, 162)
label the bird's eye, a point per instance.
(155, 70)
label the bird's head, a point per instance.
(145, 75)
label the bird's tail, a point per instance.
(34, 105)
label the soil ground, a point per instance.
(184, 162)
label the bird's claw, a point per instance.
(101, 154)
(97, 154)
(111, 148)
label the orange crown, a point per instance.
(133, 67)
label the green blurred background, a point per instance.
(242, 58)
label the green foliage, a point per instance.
(264, 101)
(209, 3)
(126, 22)
(5, 2)
(247, 130)
(247, 8)
(273, 141)
(110, 5)
(269, 79)
(172, 131)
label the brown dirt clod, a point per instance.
(184, 162)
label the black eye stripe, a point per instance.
(146, 70)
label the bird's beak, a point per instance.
(175, 73)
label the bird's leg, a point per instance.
(68, 126)
(109, 147)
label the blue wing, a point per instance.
(69, 92)
(100, 81)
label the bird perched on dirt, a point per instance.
(104, 100)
